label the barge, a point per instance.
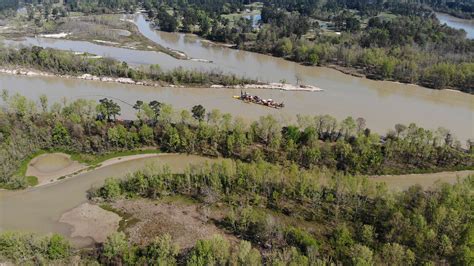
(244, 96)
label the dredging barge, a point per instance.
(244, 96)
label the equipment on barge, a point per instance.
(244, 96)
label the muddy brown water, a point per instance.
(381, 103)
(39, 209)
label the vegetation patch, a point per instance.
(32, 181)
(128, 220)
(288, 215)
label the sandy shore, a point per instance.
(50, 167)
(403, 182)
(92, 221)
(273, 86)
(75, 168)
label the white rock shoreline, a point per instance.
(32, 73)
(272, 86)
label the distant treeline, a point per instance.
(389, 40)
(410, 47)
(315, 142)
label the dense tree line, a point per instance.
(316, 142)
(458, 8)
(283, 216)
(101, 6)
(363, 224)
(24, 248)
(412, 48)
(68, 63)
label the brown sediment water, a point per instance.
(382, 104)
(40, 209)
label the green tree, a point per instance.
(115, 246)
(214, 251)
(60, 135)
(58, 247)
(247, 255)
(361, 255)
(162, 251)
(111, 189)
(108, 109)
(146, 134)
(198, 112)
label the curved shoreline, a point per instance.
(394, 182)
(46, 176)
(106, 163)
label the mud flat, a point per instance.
(185, 222)
(427, 181)
(91, 221)
(52, 166)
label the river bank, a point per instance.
(71, 168)
(39, 209)
(269, 86)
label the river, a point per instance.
(458, 23)
(381, 103)
(39, 209)
(382, 108)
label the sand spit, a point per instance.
(52, 166)
(92, 221)
(75, 168)
(106, 42)
(273, 86)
